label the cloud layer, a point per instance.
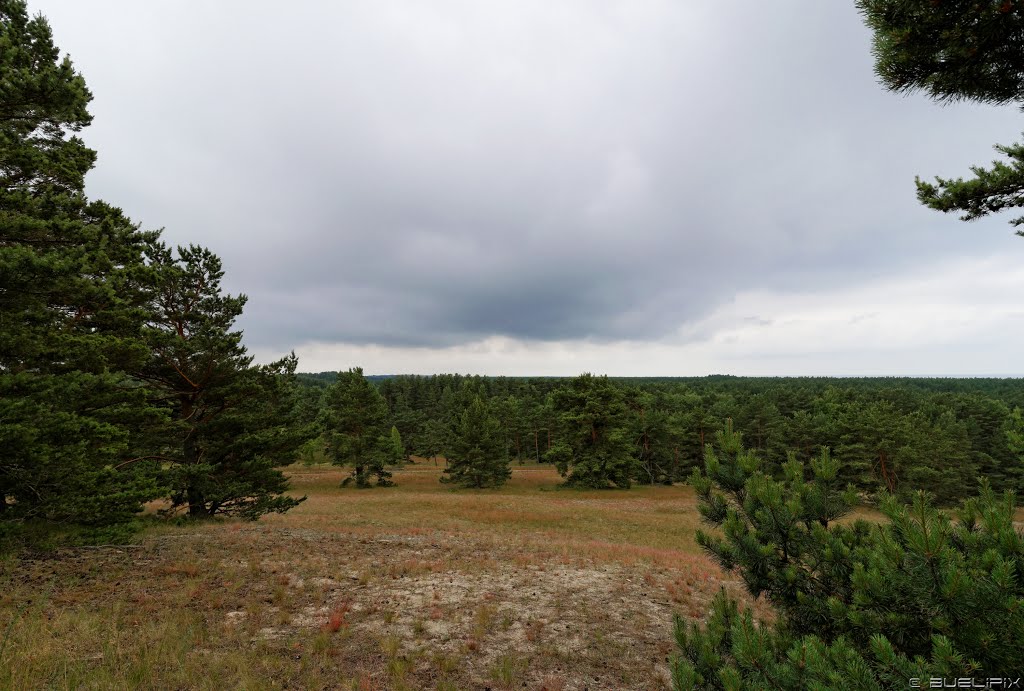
(410, 176)
(962, 320)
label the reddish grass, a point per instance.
(337, 619)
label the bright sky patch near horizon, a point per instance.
(631, 188)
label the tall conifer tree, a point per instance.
(231, 424)
(72, 292)
(355, 426)
(593, 447)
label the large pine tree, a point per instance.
(231, 424)
(593, 447)
(73, 284)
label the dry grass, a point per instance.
(412, 587)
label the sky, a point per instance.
(527, 187)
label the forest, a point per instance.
(897, 435)
(710, 532)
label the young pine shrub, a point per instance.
(860, 606)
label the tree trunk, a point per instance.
(360, 473)
(647, 454)
(889, 477)
(196, 502)
(194, 495)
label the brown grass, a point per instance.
(417, 586)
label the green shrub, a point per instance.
(860, 605)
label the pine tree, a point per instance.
(478, 453)
(860, 606)
(408, 420)
(511, 414)
(871, 438)
(434, 439)
(73, 283)
(952, 50)
(396, 448)
(783, 530)
(355, 427)
(593, 447)
(957, 50)
(656, 435)
(1015, 433)
(231, 424)
(698, 422)
(759, 418)
(986, 422)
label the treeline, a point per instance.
(893, 434)
(122, 380)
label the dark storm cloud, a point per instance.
(409, 173)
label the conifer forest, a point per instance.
(178, 510)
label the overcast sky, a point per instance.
(534, 187)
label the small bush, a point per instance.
(861, 606)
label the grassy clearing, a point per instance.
(532, 508)
(418, 586)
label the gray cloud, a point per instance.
(410, 173)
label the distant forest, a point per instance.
(893, 433)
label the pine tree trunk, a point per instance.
(190, 456)
(890, 478)
(649, 456)
(196, 503)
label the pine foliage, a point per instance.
(71, 305)
(957, 50)
(478, 453)
(593, 448)
(231, 424)
(354, 419)
(860, 606)
(396, 448)
(121, 380)
(953, 50)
